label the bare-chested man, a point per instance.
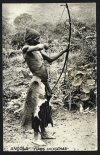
(37, 111)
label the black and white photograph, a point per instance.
(49, 76)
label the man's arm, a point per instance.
(35, 47)
(53, 57)
(44, 54)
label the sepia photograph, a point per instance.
(49, 76)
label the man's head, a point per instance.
(32, 37)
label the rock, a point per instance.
(86, 89)
(90, 82)
(77, 82)
(84, 97)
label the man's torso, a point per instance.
(36, 63)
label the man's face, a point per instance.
(35, 41)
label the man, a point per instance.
(37, 111)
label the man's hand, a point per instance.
(66, 50)
(46, 46)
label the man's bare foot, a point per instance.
(39, 142)
(37, 139)
(44, 135)
(31, 131)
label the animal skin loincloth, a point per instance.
(36, 104)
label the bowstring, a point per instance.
(69, 39)
(66, 54)
(59, 21)
(61, 16)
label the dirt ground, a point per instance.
(72, 132)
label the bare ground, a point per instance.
(72, 131)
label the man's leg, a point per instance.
(48, 91)
(32, 109)
(35, 126)
(45, 119)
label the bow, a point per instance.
(67, 48)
